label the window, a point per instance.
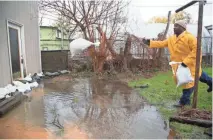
(58, 34)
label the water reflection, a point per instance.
(83, 108)
(101, 109)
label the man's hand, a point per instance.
(184, 65)
(146, 41)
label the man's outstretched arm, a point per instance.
(156, 44)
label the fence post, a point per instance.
(199, 37)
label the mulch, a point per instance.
(196, 114)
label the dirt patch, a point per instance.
(15, 129)
(74, 133)
(12, 128)
(195, 113)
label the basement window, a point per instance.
(45, 48)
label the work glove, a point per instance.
(184, 65)
(146, 41)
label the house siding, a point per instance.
(25, 13)
(49, 40)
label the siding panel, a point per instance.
(25, 13)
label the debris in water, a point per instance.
(75, 100)
(142, 86)
(36, 78)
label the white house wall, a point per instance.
(25, 13)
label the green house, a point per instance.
(51, 39)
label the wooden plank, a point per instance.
(2, 103)
(198, 122)
(7, 107)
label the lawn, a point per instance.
(163, 93)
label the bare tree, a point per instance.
(87, 14)
(105, 16)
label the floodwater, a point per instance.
(83, 108)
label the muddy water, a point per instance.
(83, 108)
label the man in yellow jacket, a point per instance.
(182, 47)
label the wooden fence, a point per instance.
(56, 60)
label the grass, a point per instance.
(162, 92)
(189, 131)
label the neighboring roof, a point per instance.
(153, 29)
(52, 27)
(209, 27)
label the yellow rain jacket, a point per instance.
(182, 49)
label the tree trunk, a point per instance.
(127, 53)
(161, 53)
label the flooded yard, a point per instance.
(83, 108)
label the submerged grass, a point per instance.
(163, 93)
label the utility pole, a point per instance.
(199, 39)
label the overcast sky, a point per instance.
(146, 9)
(141, 11)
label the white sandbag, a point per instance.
(173, 63)
(27, 87)
(52, 74)
(80, 44)
(23, 87)
(28, 78)
(40, 74)
(183, 74)
(3, 92)
(17, 83)
(7, 96)
(11, 88)
(64, 71)
(34, 84)
(6, 90)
